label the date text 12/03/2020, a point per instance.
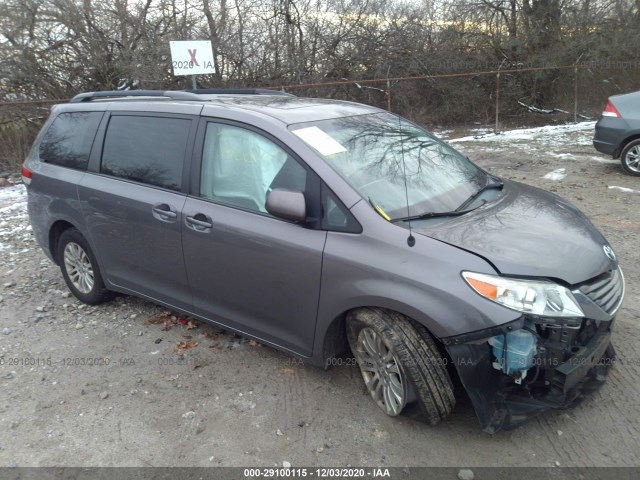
(321, 472)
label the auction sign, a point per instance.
(192, 57)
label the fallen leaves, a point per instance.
(182, 346)
(191, 325)
(213, 337)
(287, 371)
(157, 319)
(168, 321)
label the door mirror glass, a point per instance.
(287, 204)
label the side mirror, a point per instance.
(287, 204)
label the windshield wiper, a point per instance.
(497, 183)
(422, 216)
(461, 210)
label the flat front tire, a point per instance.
(400, 364)
(80, 268)
(630, 158)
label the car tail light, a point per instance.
(26, 175)
(610, 111)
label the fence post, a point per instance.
(575, 90)
(495, 130)
(388, 89)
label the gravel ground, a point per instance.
(107, 386)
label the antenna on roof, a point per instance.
(411, 241)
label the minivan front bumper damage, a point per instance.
(571, 362)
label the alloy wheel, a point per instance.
(381, 371)
(78, 267)
(632, 158)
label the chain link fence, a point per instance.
(496, 95)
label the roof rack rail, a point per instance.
(239, 91)
(175, 95)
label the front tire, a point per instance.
(630, 158)
(400, 364)
(80, 268)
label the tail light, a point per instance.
(26, 174)
(611, 111)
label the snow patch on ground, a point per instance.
(443, 133)
(623, 189)
(556, 175)
(595, 158)
(14, 222)
(570, 142)
(15, 193)
(525, 133)
(574, 156)
(561, 155)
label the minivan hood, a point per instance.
(528, 232)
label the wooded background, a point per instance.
(54, 49)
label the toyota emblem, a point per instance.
(608, 251)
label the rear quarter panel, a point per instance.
(53, 196)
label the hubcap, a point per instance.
(381, 372)
(78, 267)
(632, 159)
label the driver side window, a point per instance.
(240, 167)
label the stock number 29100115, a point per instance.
(316, 472)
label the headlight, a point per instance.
(536, 297)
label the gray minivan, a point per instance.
(336, 232)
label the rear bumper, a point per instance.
(502, 404)
(606, 148)
(609, 135)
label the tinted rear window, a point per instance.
(69, 138)
(146, 149)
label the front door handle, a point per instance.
(199, 220)
(163, 210)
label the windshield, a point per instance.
(375, 152)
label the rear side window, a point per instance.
(69, 138)
(150, 150)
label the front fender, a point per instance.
(422, 282)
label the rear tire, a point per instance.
(80, 268)
(400, 364)
(630, 158)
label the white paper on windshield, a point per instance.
(319, 140)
